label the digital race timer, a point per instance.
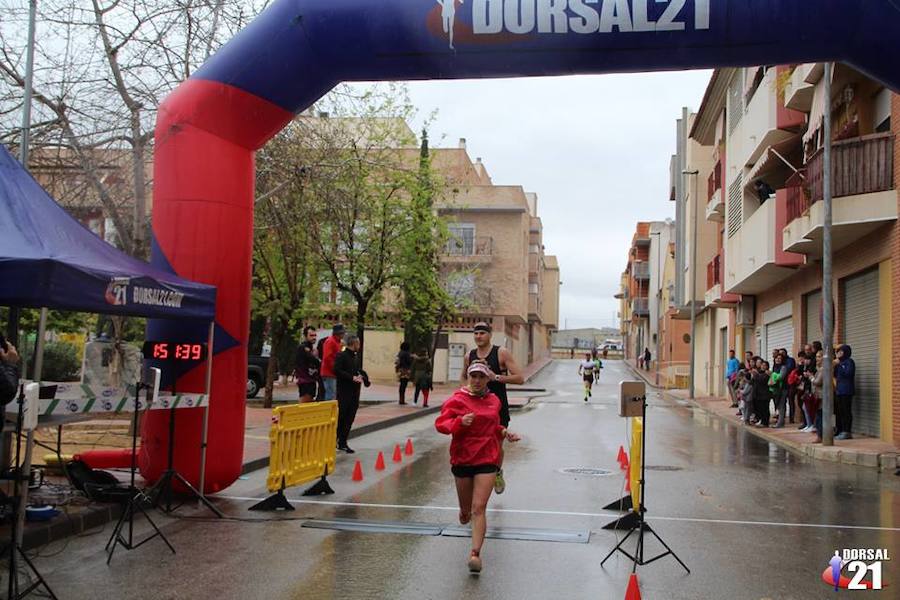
(172, 351)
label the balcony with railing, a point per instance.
(534, 306)
(863, 189)
(479, 300)
(640, 307)
(715, 294)
(715, 206)
(641, 271)
(478, 249)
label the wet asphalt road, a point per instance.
(751, 520)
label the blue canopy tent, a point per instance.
(49, 260)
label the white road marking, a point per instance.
(568, 514)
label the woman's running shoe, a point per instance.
(474, 562)
(499, 482)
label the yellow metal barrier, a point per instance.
(302, 448)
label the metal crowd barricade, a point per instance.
(302, 448)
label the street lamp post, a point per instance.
(693, 195)
(827, 298)
(658, 293)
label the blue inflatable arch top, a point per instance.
(297, 50)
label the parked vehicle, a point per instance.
(257, 366)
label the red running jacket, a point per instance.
(479, 443)
(329, 352)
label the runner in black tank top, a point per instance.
(499, 389)
(504, 367)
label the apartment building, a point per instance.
(495, 263)
(757, 144)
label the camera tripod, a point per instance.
(15, 549)
(636, 520)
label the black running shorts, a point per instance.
(470, 471)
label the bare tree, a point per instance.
(101, 70)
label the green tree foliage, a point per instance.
(425, 300)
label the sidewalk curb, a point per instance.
(884, 461)
(546, 364)
(263, 462)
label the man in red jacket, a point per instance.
(329, 352)
(472, 417)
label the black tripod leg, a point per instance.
(617, 547)
(675, 556)
(199, 496)
(156, 529)
(40, 579)
(123, 517)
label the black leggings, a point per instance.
(843, 411)
(403, 384)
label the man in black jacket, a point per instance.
(9, 372)
(350, 377)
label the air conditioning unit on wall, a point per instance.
(746, 312)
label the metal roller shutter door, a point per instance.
(860, 317)
(779, 334)
(813, 314)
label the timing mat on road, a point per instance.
(500, 533)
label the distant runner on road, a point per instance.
(586, 372)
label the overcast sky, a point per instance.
(595, 149)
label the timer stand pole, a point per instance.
(205, 431)
(164, 487)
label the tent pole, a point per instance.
(25, 468)
(12, 330)
(204, 432)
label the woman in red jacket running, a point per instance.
(472, 417)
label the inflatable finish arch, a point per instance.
(209, 128)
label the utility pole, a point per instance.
(658, 292)
(693, 196)
(827, 292)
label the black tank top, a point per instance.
(493, 361)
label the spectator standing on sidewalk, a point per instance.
(403, 366)
(330, 350)
(647, 358)
(817, 392)
(807, 394)
(777, 383)
(761, 394)
(422, 376)
(350, 376)
(306, 367)
(745, 393)
(731, 371)
(844, 374)
(749, 361)
(9, 372)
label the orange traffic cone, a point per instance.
(633, 592)
(627, 484)
(357, 472)
(398, 457)
(621, 457)
(409, 447)
(625, 463)
(379, 462)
